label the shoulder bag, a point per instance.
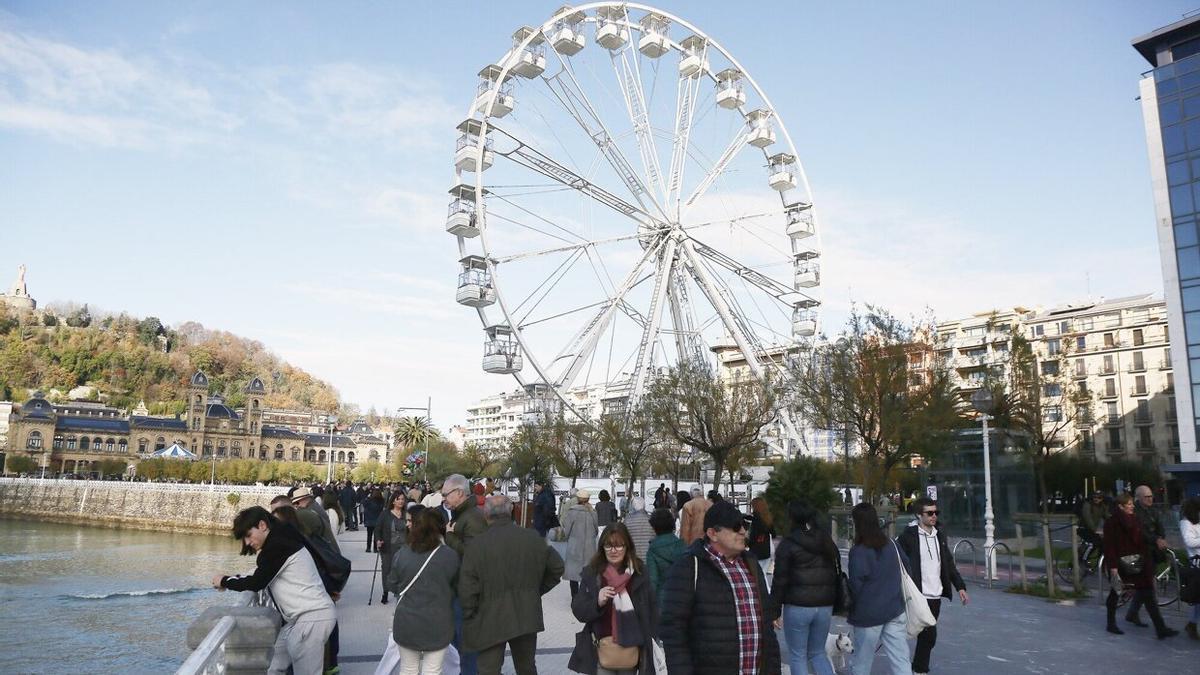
(843, 597)
(613, 656)
(1131, 565)
(916, 608)
(400, 595)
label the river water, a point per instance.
(80, 599)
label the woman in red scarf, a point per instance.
(617, 605)
(1128, 559)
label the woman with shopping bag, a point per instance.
(878, 570)
(619, 610)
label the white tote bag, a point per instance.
(390, 663)
(916, 608)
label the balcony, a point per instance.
(1143, 419)
(1109, 394)
(1136, 368)
(1112, 420)
(1164, 365)
(1135, 391)
(1079, 375)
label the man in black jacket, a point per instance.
(717, 615)
(932, 569)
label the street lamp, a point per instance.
(332, 420)
(428, 416)
(982, 402)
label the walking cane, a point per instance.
(371, 595)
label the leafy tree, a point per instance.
(674, 459)
(20, 464)
(527, 459)
(149, 329)
(805, 478)
(478, 461)
(412, 432)
(861, 384)
(80, 318)
(576, 446)
(48, 320)
(691, 405)
(110, 467)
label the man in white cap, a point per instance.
(302, 498)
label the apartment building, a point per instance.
(1117, 350)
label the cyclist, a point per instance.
(1092, 515)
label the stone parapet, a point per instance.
(141, 506)
(250, 646)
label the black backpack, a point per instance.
(333, 567)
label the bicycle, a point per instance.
(1091, 555)
(1166, 582)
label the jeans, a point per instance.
(926, 639)
(805, 629)
(894, 638)
(524, 650)
(468, 661)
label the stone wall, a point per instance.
(164, 507)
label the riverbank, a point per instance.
(159, 507)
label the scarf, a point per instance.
(625, 629)
(1132, 527)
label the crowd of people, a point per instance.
(691, 585)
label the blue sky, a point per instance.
(279, 169)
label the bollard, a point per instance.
(1021, 554)
(1075, 572)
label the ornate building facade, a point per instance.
(69, 438)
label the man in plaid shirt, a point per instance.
(717, 614)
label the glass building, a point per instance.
(1170, 96)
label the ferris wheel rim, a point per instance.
(486, 121)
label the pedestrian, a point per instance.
(805, 587)
(660, 498)
(717, 615)
(303, 498)
(423, 575)
(579, 525)
(464, 522)
(1129, 561)
(760, 532)
(1151, 520)
(1189, 530)
(543, 508)
(391, 531)
(287, 570)
(606, 511)
(637, 521)
(346, 497)
(934, 571)
(372, 508)
(682, 498)
(663, 551)
(618, 608)
(333, 511)
(691, 517)
(505, 572)
(878, 613)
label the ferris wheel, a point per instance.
(627, 197)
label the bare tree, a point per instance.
(629, 439)
(674, 459)
(527, 460)
(576, 447)
(692, 405)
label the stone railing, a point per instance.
(232, 639)
(167, 507)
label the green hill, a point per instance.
(126, 360)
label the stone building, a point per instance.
(18, 296)
(69, 438)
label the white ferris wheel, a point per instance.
(627, 197)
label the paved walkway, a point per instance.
(997, 633)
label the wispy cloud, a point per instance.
(416, 308)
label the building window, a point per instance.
(236, 450)
(278, 453)
(161, 443)
(1114, 439)
(1139, 363)
(1053, 413)
(1038, 330)
(295, 455)
(1108, 365)
(1143, 411)
(1139, 384)
(35, 440)
(84, 443)
(321, 456)
(1052, 390)
(58, 442)
(1144, 440)
(71, 442)
(1053, 346)
(221, 449)
(1049, 367)
(1138, 337)
(1109, 340)
(1170, 388)
(1087, 441)
(311, 455)
(1081, 343)
(1080, 368)
(142, 443)
(1110, 411)
(110, 445)
(122, 446)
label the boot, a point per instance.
(1166, 633)
(1190, 629)
(1110, 604)
(383, 601)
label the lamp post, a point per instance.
(428, 416)
(332, 420)
(982, 402)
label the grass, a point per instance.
(1039, 590)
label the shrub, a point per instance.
(800, 478)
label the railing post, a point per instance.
(1021, 553)
(1048, 555)
(249, 646)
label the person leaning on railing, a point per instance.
(286, 569)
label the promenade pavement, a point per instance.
(997, 633)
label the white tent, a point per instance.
(176, 451)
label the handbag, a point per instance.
(843, 597)
(1131, 565)
(660, 656)
(916, 609)
(615, 657)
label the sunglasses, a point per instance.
(929, 513)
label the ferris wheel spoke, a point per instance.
(574, 99)
(683, 318)
(584, 342)
(649, 339)
(560, 249)
(773, 288)
(737, 219)
(686, 91)
(730, 153)
(711, 291)
(629, 78)
(527, 156)
(548, 284)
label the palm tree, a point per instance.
(412, 432)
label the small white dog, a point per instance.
(839, 647)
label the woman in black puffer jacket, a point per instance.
(804, 586)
